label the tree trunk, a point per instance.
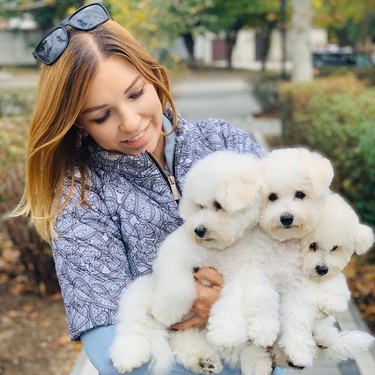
(230, 41)
(301, 51)
(189, 44)
(283, 37)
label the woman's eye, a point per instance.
(334, 248)
(137, 94)
(102, 119)
(272, 197)
(300, 195)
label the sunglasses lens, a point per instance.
(52, 46)
(89, 17)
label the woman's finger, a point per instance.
(195, 321)
(210, 275)
(201, 309)
(207, 294)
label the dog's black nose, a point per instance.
(321, 270)
(200, 231)
(291, 364)
(286, 219)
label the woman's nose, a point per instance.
(129, 119)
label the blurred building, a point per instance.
(211, 49)
(17, 40)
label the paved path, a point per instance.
(229, 97)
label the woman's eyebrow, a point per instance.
(92, 109)
(135, 80)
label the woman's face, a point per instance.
(122, 111)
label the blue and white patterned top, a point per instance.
(99, 248)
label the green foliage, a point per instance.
(265, 90)
(347, 22)
(336, 116)
(16, 101)
(46, 15)
(366, 74)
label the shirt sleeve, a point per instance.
(238, 140)
(91, 263)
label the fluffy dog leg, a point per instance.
(139, 338)
(193, 351)
(261, 309)
(255, 361)
(226, 327)
(297, 320)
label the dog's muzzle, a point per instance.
(286, 220)
(200, 231)
(321, 270)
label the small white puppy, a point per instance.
(326, 251)
(220, 207)
(295, 185)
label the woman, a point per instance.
(106, 164)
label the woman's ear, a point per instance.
(80, 128)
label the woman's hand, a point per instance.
(208, 284)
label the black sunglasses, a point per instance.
(54, 43)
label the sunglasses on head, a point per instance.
(54, 43)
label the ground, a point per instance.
(33, 331)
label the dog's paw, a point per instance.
(300, 359)
(333, 306)
(210, 366)
(127, 356)
(264, 335)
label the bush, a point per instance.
(35, 254)
(265, 91)
(366, 74)
(335, 116)
(16, 101)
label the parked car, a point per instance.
(348, 59)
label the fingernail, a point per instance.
(196, 269)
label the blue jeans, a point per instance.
(97, 342)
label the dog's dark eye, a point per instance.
(334, 248)
(217, 206)
(313, 246)
(200, 206)
(300, 194)
(272, 197)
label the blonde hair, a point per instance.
(53, 138)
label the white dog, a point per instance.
(220, 207)
(327, 250)
(274, 299)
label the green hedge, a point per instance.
(366, 74)
(336, 116)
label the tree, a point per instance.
(45, 12)
(190, 18)
(231, 17)
(349, 23)
(301, 54)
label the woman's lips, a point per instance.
(136, 140)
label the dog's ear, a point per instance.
(321, 173)
(364, 239)
(238, 193)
